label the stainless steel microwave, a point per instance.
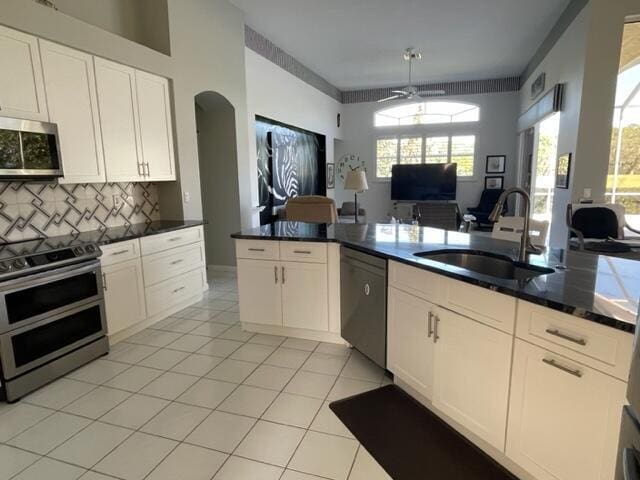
(29, 150)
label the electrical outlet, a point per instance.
(187, 197)
(586, 193)
(117, 201)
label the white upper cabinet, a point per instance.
(116, 85)
(156, 136)
(73, 105)
(21, 84)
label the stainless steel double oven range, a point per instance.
(52, 317)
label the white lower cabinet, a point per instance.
(304, 295)
(124, 295)
(461, 365)
(260, 291)
(564, 417)
(143, 289)
(471, 375)
(410, 346)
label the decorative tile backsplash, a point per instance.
(29, 210)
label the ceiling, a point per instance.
(358, 43)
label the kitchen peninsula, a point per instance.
(505, 361)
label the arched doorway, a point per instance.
(218, 160)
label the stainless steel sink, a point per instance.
(487, 263)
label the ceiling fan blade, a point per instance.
(395, 97)
(429, 93)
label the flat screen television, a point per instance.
(429, 181)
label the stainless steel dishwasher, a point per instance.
(363, 302)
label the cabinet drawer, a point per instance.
(303, 252)
(171, 292)
(119, 252)
(258, 249)
(420, 283)
(165, 265)
(486, 306)
(165, 241)
(598, 346)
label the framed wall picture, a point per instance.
(493, 183)
(496, 163)
(563, 170)
(331, 175)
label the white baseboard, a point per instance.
(222, 268)
(328, 337)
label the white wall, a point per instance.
(276, 94)
(586, 59)
(496, 135)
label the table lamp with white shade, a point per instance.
(356, 180)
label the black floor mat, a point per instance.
(412, 443)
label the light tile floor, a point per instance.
(195, 398)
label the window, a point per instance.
(623, 182)
(458, 149)
(427, 113)
(427, 132)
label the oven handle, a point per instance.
(6, 347)
(48, 276)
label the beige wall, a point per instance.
(217, 150)
(207, 40)
(586, 59)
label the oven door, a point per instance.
(28, 347)
(29, 300)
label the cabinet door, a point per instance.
(305, 301)
(71, 95)
(564, 417)
(21, 85)
(124, 295)
(410, 344)
(260, 292)
(471, 378)
(116, 85)
(156, 135)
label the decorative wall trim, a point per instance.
(264, 47)
(470, 87)
(568, 16)
(29, 210)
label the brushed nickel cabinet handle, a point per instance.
(283, 274)
(120, 252)
(178, 290)
(148, 169)
(176, 262)
(175, 239)
(436, 337)
(570, 371)
(140, 173)
(275, 273)
(557, 333)
(305, 252)
(429, 325)
(256, 249)
(104, 282)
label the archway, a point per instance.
(218, 160)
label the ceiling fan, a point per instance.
(410, 92)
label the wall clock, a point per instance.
(349, 162)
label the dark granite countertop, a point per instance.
(598, 288)
(101, 237)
